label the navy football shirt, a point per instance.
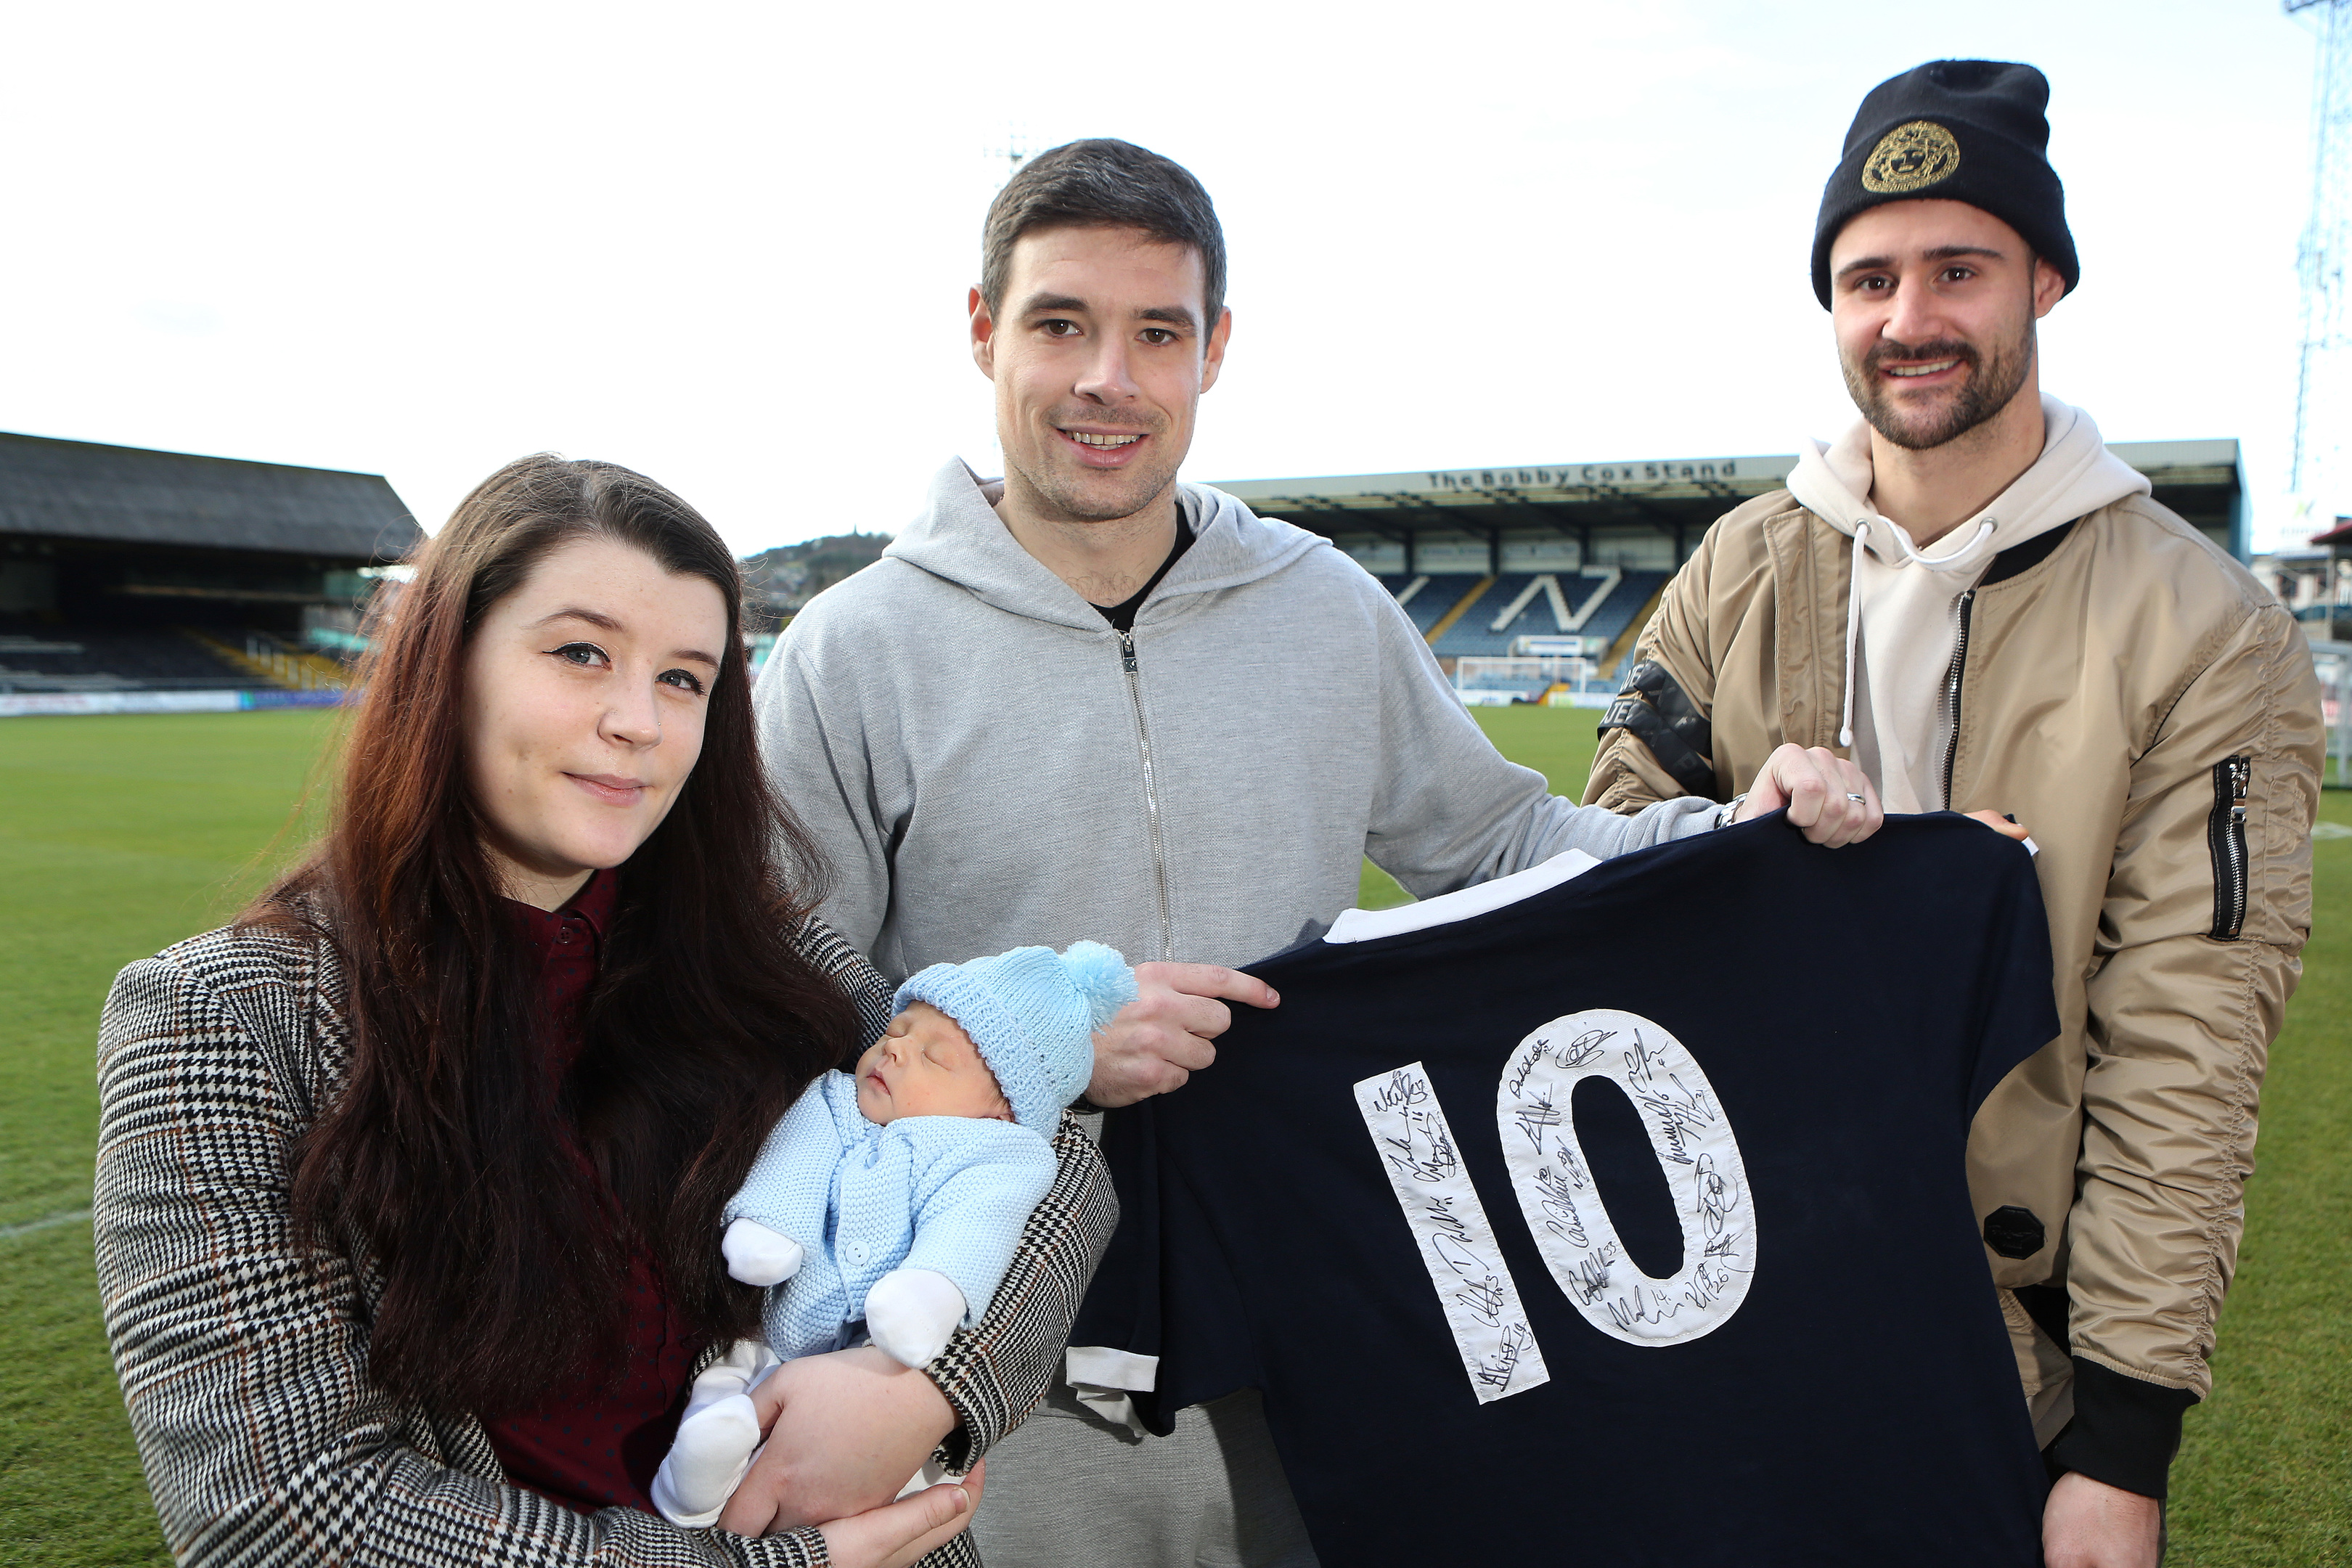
(1626, 1222)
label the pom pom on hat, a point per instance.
(1103, 978)
(1033, 1014)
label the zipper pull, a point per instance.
(2242, 774)
(1126, 651)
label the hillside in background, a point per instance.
(788, 576)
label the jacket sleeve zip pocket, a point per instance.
(2225, 835)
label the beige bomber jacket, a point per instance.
(2149, 712)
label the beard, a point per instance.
(1994, 379)
(1099, 495)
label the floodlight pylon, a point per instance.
(2321, 257)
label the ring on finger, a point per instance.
(1857, 799)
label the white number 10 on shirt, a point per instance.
(1695, 1147)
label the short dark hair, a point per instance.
(1101, 183)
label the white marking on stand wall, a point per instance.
(1562, 617)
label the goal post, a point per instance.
(1512, 679)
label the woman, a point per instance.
(409, 1181)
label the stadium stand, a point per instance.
(1519, 536)
(1478, 631)
(1435, 594)
(100, 658)
(125, 570)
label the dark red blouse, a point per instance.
(595, 1440)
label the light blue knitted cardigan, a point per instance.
(944, 1192)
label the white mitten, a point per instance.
(758, 1255)
(718, 1437)
(712, 1450)
(911, 1312)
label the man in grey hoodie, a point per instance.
(1090, 702)
(1970, 593)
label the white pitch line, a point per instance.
(8, 1232)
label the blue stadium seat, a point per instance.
(1437, 594)
(1617, 612)
(36, 657)
(1475, 633)
(1471, 633)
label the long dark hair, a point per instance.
(447, 1152)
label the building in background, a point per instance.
(135, 580)
(2315, 583)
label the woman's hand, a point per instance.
(1826, 795)
(844, 1432)
(2001, 824)
(898, 1533)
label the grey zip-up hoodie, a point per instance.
(988, 764)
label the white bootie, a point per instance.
(717, 1438)
(758, 1255)
(911, 1312)
(713, 1449)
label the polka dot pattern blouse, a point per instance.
(597, 1438)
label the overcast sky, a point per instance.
(729, 245)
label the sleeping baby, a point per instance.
(893, 1198)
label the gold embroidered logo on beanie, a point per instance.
(1975, 131)
(1911, 158)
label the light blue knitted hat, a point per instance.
(1032, 1013)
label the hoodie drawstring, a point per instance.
(1853, 627)
(1904, 555)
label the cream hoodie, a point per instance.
(1903, 605)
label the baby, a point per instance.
(894, 1198)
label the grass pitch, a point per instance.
(119, 836)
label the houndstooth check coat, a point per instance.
(244, 1362)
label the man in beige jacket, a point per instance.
(1982, 605)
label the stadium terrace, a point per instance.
(138, 581)
(1541, 576)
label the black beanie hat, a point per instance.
(1959, 130)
